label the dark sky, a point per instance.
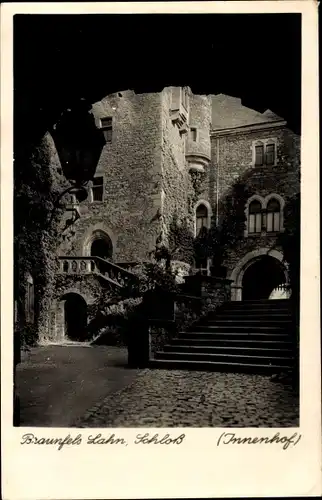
(61, 58)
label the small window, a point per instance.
(259, 155)
(273, 216)
(106, 124)
(202, 266)
(193, 134)
(270, 154)
(201, 218)
(255, 217)
(97, 189)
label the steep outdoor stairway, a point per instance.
(106, 271)
(254, 336)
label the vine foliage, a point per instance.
(37, 183)
(216, 242)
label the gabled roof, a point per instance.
(228, 112)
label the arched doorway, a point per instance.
(237, 274)
(75, 316)
(263, 275)
(101, 246)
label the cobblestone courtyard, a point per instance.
(92, 387)
(162, 398)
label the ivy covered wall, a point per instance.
(38, 181)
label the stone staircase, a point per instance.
(253, 336)
(111, 273)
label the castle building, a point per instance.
(173, 154)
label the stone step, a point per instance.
(225, 358)
(219, 366)
(241, 335)
(250, 312)
(252, 336)
(266, 307)
(225, 350)
(229, 342)
(244, 321)
(238, 328)
(262, 301)
(244, 315)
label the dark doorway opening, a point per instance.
(102, 247)
(75, 312)
(262, 277)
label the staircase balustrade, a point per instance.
(96, 265)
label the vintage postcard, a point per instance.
(160, 250)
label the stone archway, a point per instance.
(99, 243)
(262, 276)
(72, 317)
(269, 268)
(101, 246)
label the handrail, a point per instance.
(93, 264)
(116, 266)
(99, 259)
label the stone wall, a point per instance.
(232, 157)
(235, 156)
(88, 287)
(131, 167)
(209, 294)
(175, 183)
(39, 180)
(200, 119)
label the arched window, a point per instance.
(273, 220)
(201, 218)
(255, 217)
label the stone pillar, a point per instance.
(236, 292)
(60, 321)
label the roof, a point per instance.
(228, 112)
